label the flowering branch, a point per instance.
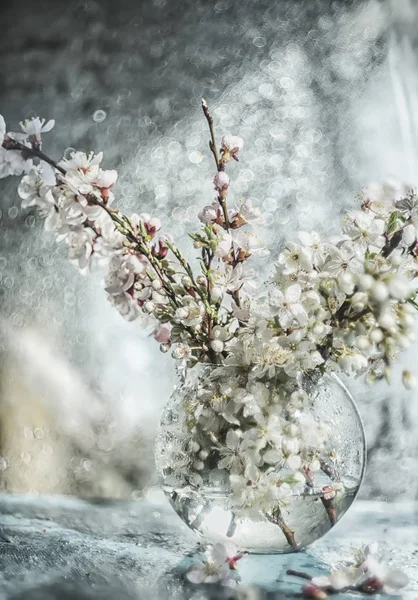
(365, 574)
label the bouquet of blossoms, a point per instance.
(255, 354)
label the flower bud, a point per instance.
(346, 283)
(399, 288)
(221, 181)
(365, 282)
(186, 281)
(386, 321)
(201, 280)
(310, 590)
(359, 301)
(362, 342)
(379, 292)
(220, 333)
(194, 446)
(216, 293)
(217, 346)
(376, 336)
(157, 285)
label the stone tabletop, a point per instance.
(67, 548)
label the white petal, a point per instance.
(305, 238)
(2, 129)
(196, 575)
(225, 462)
(321, 581)
(219, 554)
(52, 221)
(251, 472)
(48, 126)
(341, 579)
(300, 314)
(409, 235)
(48, 174)
(294, 462)
(292, 293)
(395, 579)
(232, 439)
(272, 457)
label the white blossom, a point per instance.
(364, 229)
(217, 566)
(12, 163)
(287, 306)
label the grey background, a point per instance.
(325, 96)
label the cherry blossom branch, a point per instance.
(371, 586)
(121, 224)
(10, 144)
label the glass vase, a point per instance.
(270, 463)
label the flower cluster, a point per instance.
(147, 274)
(219, 566)
(346, 304)
(364, 573)
(260, 439)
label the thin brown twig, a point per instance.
(277, 519)
(212, 143)
(10, 144)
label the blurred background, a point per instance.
(325, 94)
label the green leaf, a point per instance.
(393, 223)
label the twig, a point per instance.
(10, 144)
(331, 510)
(370, 586)
(277, 519)
(212, 143)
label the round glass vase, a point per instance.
(268, 463)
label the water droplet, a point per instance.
(287, 83)
(38, 433)
(8, 282)
(3, 262)
(99, 116)
(13, 212)
(259, 41)
(196, 157)
(30, 221)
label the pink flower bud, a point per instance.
(163, 333)
(232, 143)
(152, 226)
(310, 590)
(161, 250)
(221, 181)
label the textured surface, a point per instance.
(61, 547)
(324, 94)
